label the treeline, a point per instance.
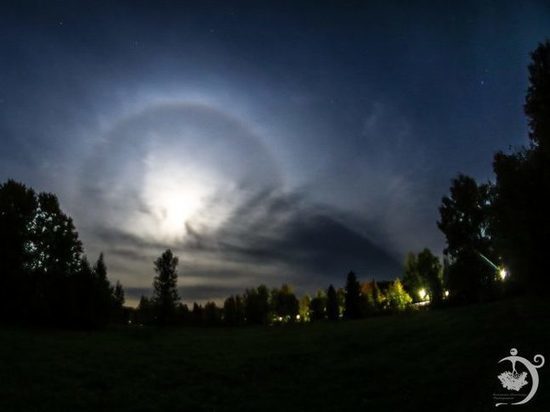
(264, 306)
(45, 278)
(426, 283)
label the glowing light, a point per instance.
(172, 195)
(422, 294)
(503, 273)
(446, 293)
(174, 205)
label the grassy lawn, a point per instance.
(440, 360)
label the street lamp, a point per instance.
(502, 273)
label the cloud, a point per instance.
(249, 230)
(286, 230)
(273, 237)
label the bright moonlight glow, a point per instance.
(172, 195)
(174, 204)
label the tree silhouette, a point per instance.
(55, 240)
(118, 296)
(145, 310)
(284, 303)
(413, 281)
(318, 306)
(521, 221)
(102, 291)
(197, 314)
(212, 315)
(44, 276)
(353, 297)
(424, 271)
(183, 316)
(165, 295)
(76, 296)
(333, 310)
(256, 304)
(118, 312)
(18, 205)
(537, 101)
(465, 218)
(233, 309)
(431, 271)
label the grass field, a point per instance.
(441, 360)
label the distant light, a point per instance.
(422, 294)
(297, 317)
(503, 274)
(446, 293)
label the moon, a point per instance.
(172, 166)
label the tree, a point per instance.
(412, 279)
(165, 296)
(18, 205)
(102, 291)
(353, 297)
(398, 298)
(378, 297)
(118, 296)
(333, 310)
(118, 313)
(521, 219)
(43, 275)
(431, 272)
(256, 305)
(145, 310)
(369, 295)
(537, 101)
(183, 316)
(197, 314)
(465, 218)
(233, 309)
(284, 303)
(305, 301)
(318, 306)
(518, 217)
(100, 269)
(212, 314)
(424, 272)
(57, 248)
(76, 303)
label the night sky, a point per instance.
(262, 142)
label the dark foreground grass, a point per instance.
(441, 360)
